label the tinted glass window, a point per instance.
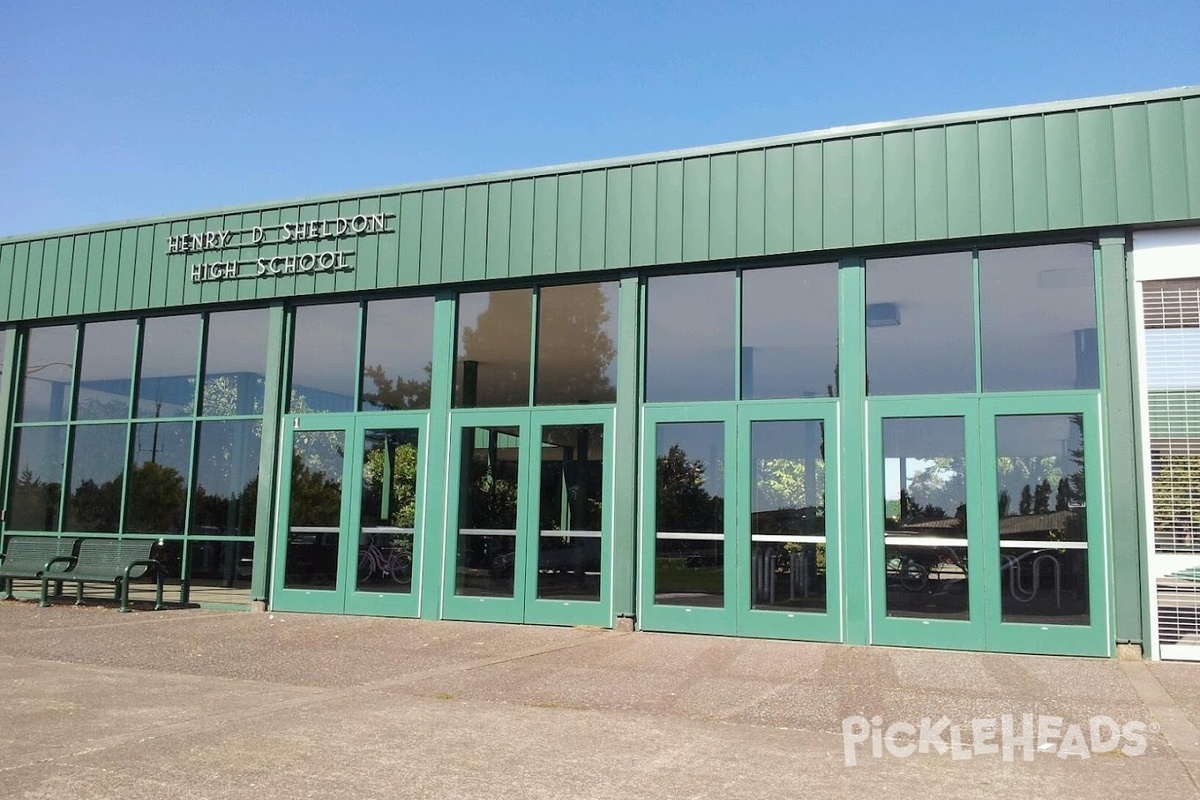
(167, 380)
(97, 473)
(235, 362)
(577, 344)
(398, 359)
(789, 332)
(690, 337)
(36, 492)
(1038, 318)
(324, 355)
(225, 498)
(105, 370)
(49, 364)
(920, 325)
(492, 364)
(158, 477)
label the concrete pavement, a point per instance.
(207, 704)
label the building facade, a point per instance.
(891, 384)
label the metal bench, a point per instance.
(29, 557)
(107, 561)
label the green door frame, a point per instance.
(1095, 638)
(985, 629)
(345, 598)
(775, 624)
(737, 615)
(524, 605)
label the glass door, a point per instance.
(529, 539)
(348, 534)
(688, 569)
(788, 535)
(1046, 558)
(926, 524)
(985, 531)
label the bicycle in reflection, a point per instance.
(913, 572)
(393, 561)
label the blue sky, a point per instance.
(117, 110)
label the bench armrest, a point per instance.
(58, 560)
(147, 562)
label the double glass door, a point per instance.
(529, 528)
(984, 531)
(738, 536)
(348, 537)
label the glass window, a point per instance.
(235, 362)
(156, 497)
(225, 497)
(97, 472)
(493, 349)
(1038, 318)
(577, 344)
(397, 362)
(105, 369)
(920, 325)
(37, 478)
(388, 510)
(220, 571)
(789, 332)
(49, 365)
(690, 337)
(324, 358)
(167, 377)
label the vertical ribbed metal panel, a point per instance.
(668, 213)
(475, 249)
(1029, 174)
(1131, 147)
(545, 224)
(899, 187)
(643, 209)
(592, 223)
(454, 215)
(808, 182)
(837, 179)
(930, 198)
(696, 209)
(33, 274)
(570, 221)
(995, 177)
(722, 206)
(1168, 183)
(408, 268)
(962, 180)
(520, 230)
(1064, 193)
(778, 189)
(751, 199)
(49, 272)
(1191, 134)
(867, 183)
(617, 217)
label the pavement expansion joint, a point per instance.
(1181, 734)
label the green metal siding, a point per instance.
(1132, 162)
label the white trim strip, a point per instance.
(1031, 544)
(571, 534)
(713, 537)
(926, 541)
(782, 537)
(486, 532)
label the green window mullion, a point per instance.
(68, 442)
(360, 356)
(201, 365)
(76, 368)
(737, 334)
(125, 477)
(977, 300)
(534, 302)
(854, 548)
(193, 452)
